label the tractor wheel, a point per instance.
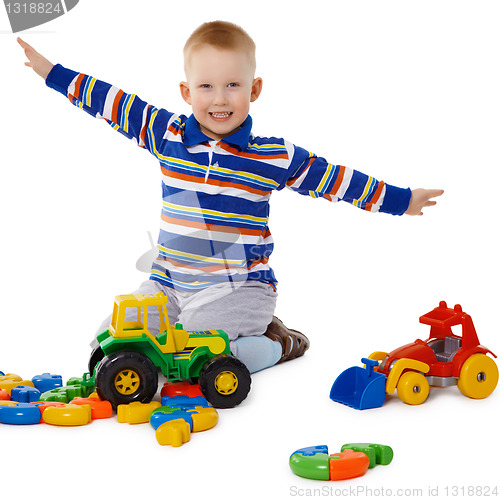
(413, 388)
(478, 377)
(125, 377)
(95, 357)
(224, 381)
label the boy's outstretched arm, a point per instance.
(421, 198)
(311, 175)
(40, 65)
(126, 113)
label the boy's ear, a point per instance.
(256, 89)
(185, 92)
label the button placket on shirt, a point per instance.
(214, 149)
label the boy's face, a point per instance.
(220, 87)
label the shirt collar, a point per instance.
(193, 135)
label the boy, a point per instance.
(214, 242)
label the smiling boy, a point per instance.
(217, 178)
(220, 84)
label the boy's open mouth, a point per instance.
(221, 116)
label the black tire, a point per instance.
(95, 357)
(125, 377)
(224, 381)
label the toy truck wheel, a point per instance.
(413, 388)
(95, 357)
(478, 377)
(224, 381)
(126, 377)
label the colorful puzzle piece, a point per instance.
(99, 409)
(24, 394)
(183, 400)
(171, 389)
(379, 454)
(311, 462)
(169, 413)
(76, 387)
(67, 415)
(43, 405)
(136, 413)
(348, 464)
(195, 412)
(175, 432)
(47, 382)
(354, 460)
(11, 380)
(12, 412)
(204, 418)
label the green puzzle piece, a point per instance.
(76, 387)
(379, 454)
(311, 467)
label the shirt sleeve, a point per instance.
(126, 113)
(311, 175)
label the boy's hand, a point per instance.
(420, 198)
(40, 65)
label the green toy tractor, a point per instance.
(125, 365)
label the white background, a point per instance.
(404, 91)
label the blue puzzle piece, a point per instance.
(20, 414)
(25, 394)
(166, 414)
(309, 451)
(182, 400)
(46, 382)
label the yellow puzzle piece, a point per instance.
(11, 380)
(67, 415)
(136, 413)
(175, 432)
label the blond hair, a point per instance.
(221, 35)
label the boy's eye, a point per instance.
(205, 86)
(233, 84)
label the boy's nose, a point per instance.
(220, 97)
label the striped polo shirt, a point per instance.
(214, 218)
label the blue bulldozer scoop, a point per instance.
(360, 388)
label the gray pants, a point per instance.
(243, 310)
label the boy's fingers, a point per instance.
(22, 43)
(435, 192)
(28, 49)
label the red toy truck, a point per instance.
(444, 359)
